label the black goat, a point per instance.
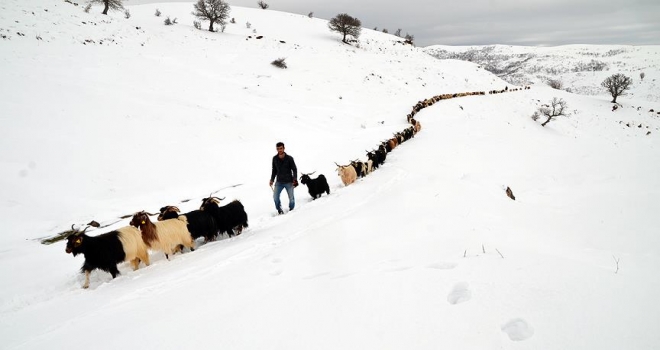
(381, 153)
(200, 223)
(228, 217)
(373, 157)
(317, 186)
(105, 251)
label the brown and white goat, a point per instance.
(165, 236)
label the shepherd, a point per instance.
(286, 172)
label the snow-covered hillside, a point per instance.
(104, 116)
(579, 68)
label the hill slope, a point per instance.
(426, 252)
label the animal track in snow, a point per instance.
(518, 329)
(460, 293)
(310, 277)
(442, 265)
(398, 269)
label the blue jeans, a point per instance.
(279, 186)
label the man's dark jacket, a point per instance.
(284, 168)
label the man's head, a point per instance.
(280, 148)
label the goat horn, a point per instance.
(78, 233)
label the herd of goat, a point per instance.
(173, 231)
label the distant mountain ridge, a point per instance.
(580, 68)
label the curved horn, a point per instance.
(78, 233)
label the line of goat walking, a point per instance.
(356, 168)
(170, 234)
(173, 231)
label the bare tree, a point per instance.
(110, 5)
(617, 85)
(642, 75)
(346, 25)
(556, 108)
(263, 5)
(410, 37)
(398, 32)
(212, 10)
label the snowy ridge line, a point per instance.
(94, 225)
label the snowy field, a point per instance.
(578, 68)
(104, 116)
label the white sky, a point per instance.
(485, 22)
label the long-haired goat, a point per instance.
(317, 186)
(360, 168)
(347, 174)
(105, 251)
(228, 217)
(165, 236)
(200, 223)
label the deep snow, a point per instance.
(425, 253)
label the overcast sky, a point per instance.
(485, 22)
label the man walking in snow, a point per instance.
(284, 168)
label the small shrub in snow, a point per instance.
(556, 108)
(385, 31)
(157, 13)
(127, 14)
(87, 8)
(263, 5)
(197, 25)
(535, 116)
(310, 15)
(169, 22)
(233, 20)
(279, 63)
(398, 32)
(248, 25)
(555, 84)
(642, 75)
